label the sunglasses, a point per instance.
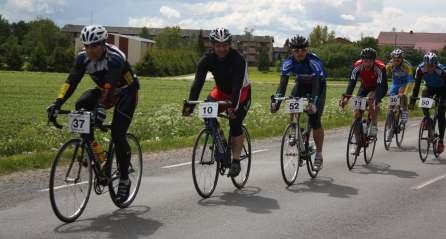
(299, 49)
(93, 45)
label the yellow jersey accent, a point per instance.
(63, 90)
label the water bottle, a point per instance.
(364, 127)
(100, 153)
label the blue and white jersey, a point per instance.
(306, 71)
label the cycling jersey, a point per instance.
(401, 76)
(373, 79)
(110, 73)
(309, 73)
(230, 75)
(436, 79)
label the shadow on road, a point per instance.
(122, 223)
(324, 185)
(403, 149)
(245, 198)
(434, 161)
(383, 169)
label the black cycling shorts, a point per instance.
(301, 90)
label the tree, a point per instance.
(315, 37)
(263, 60)
(144, 33)
(4, 29)
(11, 52)
(368, 42)
(200, 45)
(20, 29)
(320, 35)
(38, 60)
(169, 38)
(331, 36)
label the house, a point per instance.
(418, 40)
(248, 45)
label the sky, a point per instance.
(279, 18)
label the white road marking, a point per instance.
(188, 163)
(430, 182)
(64, 186)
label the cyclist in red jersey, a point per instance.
(372, 73)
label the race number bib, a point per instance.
(208, 110)
(294, 105)
(79, 123)
(359, 103)
(426, 103)
(394, 100)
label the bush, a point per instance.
(167, 62)
(338, 58)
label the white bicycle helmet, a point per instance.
(430, 58)
(220, 35)
(93, 34)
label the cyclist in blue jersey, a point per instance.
(402, 81)
(310, 80)
(434, 75)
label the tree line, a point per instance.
(37, 45)
(339, 54)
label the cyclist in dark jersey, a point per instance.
(373, 84)
(434, 75)
(230, 73)
(116, 86)
(310, 80)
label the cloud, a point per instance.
(147, 22)
(169, 12)
(29, 9)
(430, 24)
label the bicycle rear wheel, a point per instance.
(135, 172)
(245, 161)
(369, 149)
(290, 156)
(424, 139)
(70, 181)
(354, 144)
(310, 152)
(434, 136)
(389, 130)
(205, 167)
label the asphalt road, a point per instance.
(396, 196)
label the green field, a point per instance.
(26, 141)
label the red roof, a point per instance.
(421, 40)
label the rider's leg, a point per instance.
(237, 136)
(122, 117)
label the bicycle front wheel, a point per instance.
(424, 139)
(354, 144)
(245, 161)
(70, 181)
(205, 167)
(135, 172)
(289, 154)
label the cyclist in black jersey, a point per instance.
(116, 86)
(231, 84)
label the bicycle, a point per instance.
(394, 126)
(76, 163)
(295, 146)
(212, 153)
(428, 132)
(359, 137)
